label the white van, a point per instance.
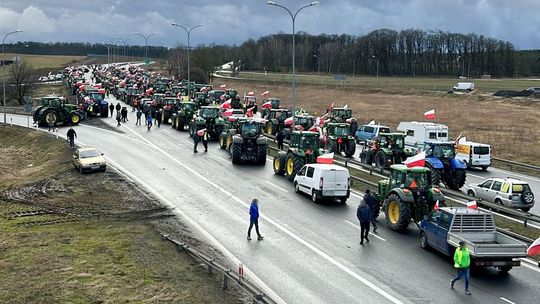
(474, 154)
(464, 86)
(323, 181)
(420, 132)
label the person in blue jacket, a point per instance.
(363, 213)
(254, 219)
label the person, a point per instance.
(462, 262)
(146, 114)
(196, 140)
(111, 108)
(71, 134)
(149, 122)
(124, 113)
(51, 126)
(373, 205)
(204, 139)
(118, 118)
(254, 219)
(118, 107)
(364, 216)
(139, 114)
(279, 137)
(158, 118)
(90, 111)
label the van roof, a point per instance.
(472, 143)
(376, 126)
(424, 123)
(327, 167)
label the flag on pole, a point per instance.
(227, 113)
(249, 112)
(223, 86)
(430, 114)
(326, 158)
(436, 206)
(265, 93)
(250, 93)
(472, 205)
(419, 160)
(534, 249)
(266, 105)
(226, 104)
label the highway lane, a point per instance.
(311, 253)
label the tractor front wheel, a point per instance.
(279, 163)
(222, 142)
(331, 145)
(398, 213)
(435, 175)
(236, 153)
(293, 164)
(261, 154)
(269, 128)
(50, 117)
(350, 148)
(457, 179)
(74, 119)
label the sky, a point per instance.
(234, 21)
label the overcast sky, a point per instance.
(234, 21)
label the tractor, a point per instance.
(276, 120)
(131, 94)
(304, 148)
(249, 143)
(385, 150)
(209, 118)
(181, 118)
(270, 103)
(408, 194)
(55, 110)
(445, 167)
(337, 138)
(201, 99)
(232, 94)
(229, 130)
(169, 107)
(215, 96)
(161, 87)
(250, 102)
(302, 122)
(344, 115)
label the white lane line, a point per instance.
(507, 301)
(276, 186)
(531, 267)
(477, 176)
(310, 246)
(515, 174)
(370, 233)
(530, 261)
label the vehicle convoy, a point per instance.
(444, 166)
(183, 115)
(337, 138)
(444, 228)
(368, 132)
(385, 150)
(322, 181)
(276, 120)
(55, 110)
(344, 115)
(420, 132)
(304, 148)
(170, 105)
(475, 155)
(249, 143)
(509, 192)
(208, 117)
(407, 194)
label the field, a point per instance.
(507, 124)
(52, 62)
(87, 238)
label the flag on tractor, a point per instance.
(326, 158)
(534, 249)
(472, 205)
(430, 114)
(250, 93)
(419, 160)
(223, 86)
(226, 104)
(249, 112)
(436, 206)
(265, 93)
(266, 105)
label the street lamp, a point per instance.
(124, 41)
(293, 17)
(188, 32)
(376, 58)
(108, 44)
(145, 44)
(318, 64)
(3, 68)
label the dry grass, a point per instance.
(39, 62)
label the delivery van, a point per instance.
(475, 155)
(322, 181)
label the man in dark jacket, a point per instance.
(71, 134)
(279, 137)
(139, 114)
(364, 216)
(111, 108)
(254, 219)
(118, 107)
(373, 205)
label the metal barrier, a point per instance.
(516, 164)
(228, 275)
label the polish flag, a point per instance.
(436, 206)
(472, 205)
(419, 160)
(288, 122)
(534, 249)
(266, 105)
(249, 112)
(227, 113)
(326, 158)
(250, 93)
(223, 86)
(226, 104)
(265, 93)
(430, 114)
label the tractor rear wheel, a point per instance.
(350, 148)
(236, 153)
(50, 117)
(293, 164)
(222, 142)
(279, 163)
(269, 128)
(174, 122)
(74, 119)
(354, 127)
(381, 160)
(261, 154)
(365, 157)
(398, 213)
(165, 117)
(435, 175)
(457, 179)
(331, 145)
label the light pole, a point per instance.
(124, 41)
(188, 32)
(293, 17)
(108, 44)
(3, 68)
(145, 44)
(318, 64)
(376, 58)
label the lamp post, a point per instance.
(377, 64)
(188, 32)
(145, 44)
(293, 17)
(124, 42)
(108, 44)
(3, 68)
(318, 64)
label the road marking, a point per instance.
(370, 233)
(507, 301)
(477, 176)
(531, 267)
(310, 246)
(515, 174)
(115, 133)
(282, 189)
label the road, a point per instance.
(311, 252)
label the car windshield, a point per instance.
(520, 188)
(88, 153)
(209, 112)
(250, 130)
(342, 131)
(416, 180)
(443, 151)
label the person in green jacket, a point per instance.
(462, 262)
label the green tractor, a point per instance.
(338, 138)
(249, 143)
(304, 148)
(55, 110)
(344, 115)
(230, 129)
(276, 120)
(408, 194)
(270, 103)
(385, 150)
(201, 99)
(170, 104)
(183, 115)
(209, 118)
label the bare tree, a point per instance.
(177, 62)
(20, 81)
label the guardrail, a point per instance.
(15, 110)
(516, 164)
(228, 274)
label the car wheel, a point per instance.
(499, 202)
(314, 196)
(423, 240)
(296, 187)
(470, 193)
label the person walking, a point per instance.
(90, 111)
(111, 108)
(373, 204)
(364, 216)
(139, 114)
(196, 139)
(118, 107)
(124, 113)
(118, 118)
(462, 262)
(158, 118)
(149, 122)
(254, 219)
(71, 135)
(280, 136)
(204, 139)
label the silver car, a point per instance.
(504, 191)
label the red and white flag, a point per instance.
(326, 158)
(227, 113)
(249, 112)
(430, 114)
(288, 121)
(250, 93)
(265, 93)
(472, 205)
(266, 105)
(226, 104)
(436, 206)
(419, 160)
(223, 86)
(534, 249)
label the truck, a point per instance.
(475, 155)
(445, 227)
(419, 132)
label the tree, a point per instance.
(21, 81)
(177, 62)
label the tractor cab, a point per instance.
(209, 112)
(250, 101)
(440, 150)
(52, 101)
(179, 90)
(391, 141)
(279, 114)
(169, 102)
(341, 114)
(158, 98)
(250, 128)
(305, 140)
(303, 122)
(274, 102)
(187, 106)
(201, 98)
(161, 87)
(215, 95)
(338, 129)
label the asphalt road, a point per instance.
(311, 252)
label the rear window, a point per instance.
(520, 188)
(481, 150)
(384, 130)
(368, 129)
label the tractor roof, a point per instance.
(404, 168)
(280, 110)
(307, 133)
(338, 124)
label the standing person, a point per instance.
(158, 118)
(124, 114)
(111, 108)
(364, 216)
(71, 135)
(204, 139)
(139, 114)
(196, 140)
(254, 219)
(149, 122)
(279, 137)
(118, 118)
(118, 107)
(373, 205)
(90, 111)
(462, 262)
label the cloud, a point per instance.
(34, 20)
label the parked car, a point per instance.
(505, 191)
(89, 159)
(58, 77)
(323, 181)
(43, 78)
(367, 132)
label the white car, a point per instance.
(43, 78)
(323, 181)
(504, 191)
(58, 77)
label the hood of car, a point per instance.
(96, 160)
